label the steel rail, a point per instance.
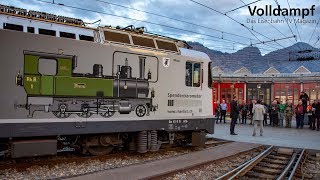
(250, 165)
(287, 169)
(296, 165)
(239, 168)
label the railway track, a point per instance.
(25, 163)
(273, 163)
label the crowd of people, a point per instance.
(280, 113)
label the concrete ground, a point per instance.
(289, 137)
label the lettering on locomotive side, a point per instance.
(79, 85)
(64, 68)
(31, 79)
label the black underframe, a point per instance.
(81, 126)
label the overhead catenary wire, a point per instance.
(274, 40)
(237, 22)
(242, 6)
(212, 40)
(286, 20)
(314, 30)
(174, 19)
(148, 22)
(272, 25)
(295, 22)
(133, 19)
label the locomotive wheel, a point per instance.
(60, 114)
(108, 113)
(100, 150)
(85, 114)
(141, 110)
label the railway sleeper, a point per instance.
(256, 175)
(268, 165)
(267, 170)
(274, 161)
(279, 157)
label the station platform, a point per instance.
(153, 169)
(288, 137)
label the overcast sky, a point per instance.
(186, 10)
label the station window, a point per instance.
(30, 29)
(14, 27)
(167, 45)
(116, 37)
(193, 74)
(47, 66)
(47, 32)
(85, 38)
(137, 40)
(67, 35)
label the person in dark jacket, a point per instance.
(273, 113)
(251, 105)
(234, 114)
(317, 114)
(304, 98)
(265, 115)
(217, 110)
(244, 112)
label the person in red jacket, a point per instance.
(300, 110)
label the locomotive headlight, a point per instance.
(19, 79)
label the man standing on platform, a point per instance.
(223, 110)
(234, 114)
(258, 112)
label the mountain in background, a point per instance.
(251, 58)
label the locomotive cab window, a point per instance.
(47, 66)
(209, 75)
(193, 74)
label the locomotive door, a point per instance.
(47, 69)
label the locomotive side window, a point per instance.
(193, 74)
(167, 45)
(85, 38)
(67, 35)
(12, 27)
(30, 29)
(140, 41)
(47, 32)
(116, 37)
(47, 67)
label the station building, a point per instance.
(267, 83)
